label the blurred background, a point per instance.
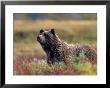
(71, 27)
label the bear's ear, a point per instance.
(41, 30)
(53, 31)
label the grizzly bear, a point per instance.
(58, 50)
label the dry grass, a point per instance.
(32, 49)
(29, 25)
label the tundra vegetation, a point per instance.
(29, 57)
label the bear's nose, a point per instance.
(38, 37)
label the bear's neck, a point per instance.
(52, 49)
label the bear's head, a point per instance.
(46, 38)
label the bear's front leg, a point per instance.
(50, 62)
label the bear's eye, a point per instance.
(45, 34)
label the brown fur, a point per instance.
(58, 50)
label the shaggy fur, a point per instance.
(58, 50)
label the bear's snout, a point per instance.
(38, 38)
(41, 39)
